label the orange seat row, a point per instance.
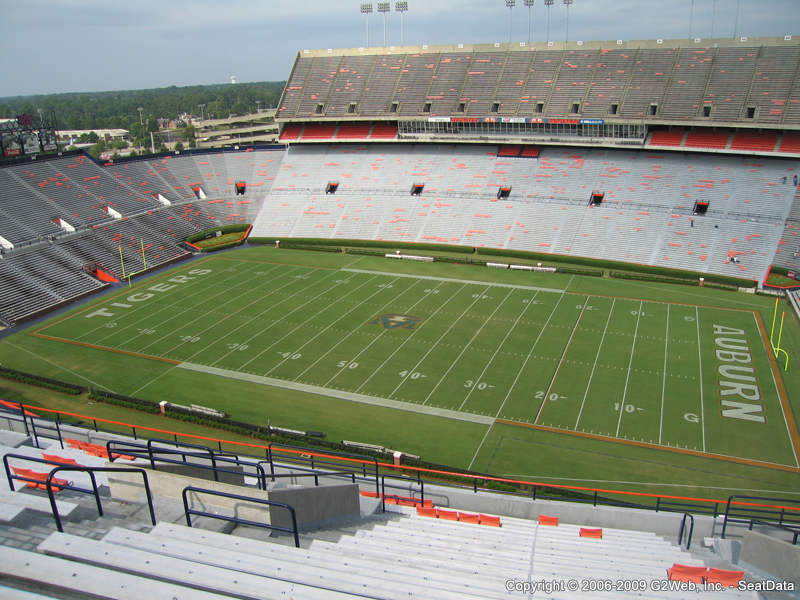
(94, 449)
(398, 500)
(40, 479)
(679, 572)
(463, 517)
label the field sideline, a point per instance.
(500, 356)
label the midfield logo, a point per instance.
(396, 321)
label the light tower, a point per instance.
(510, 4)
(384, 8)
(529, 4)
(401, 7)
(713, 16)
(691, 20)
(201, 107)
(736, 21)
(548, 4)
(567, 3)
(140, 109)
(366, 8)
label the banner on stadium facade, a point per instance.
(30, 142)
(11, 145)
(535, 121)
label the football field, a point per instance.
(508, 350)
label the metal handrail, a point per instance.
(70, 485)
(188, 511)
(795, 531)
(683, 526)
(18, 415)
(315, 473)
(152, 454)
(396, 496)
(763, 510)
(361, 460)
(91, 471)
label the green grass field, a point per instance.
(647, 386)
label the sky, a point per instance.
(51, 46)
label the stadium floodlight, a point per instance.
(510, 4)
(567, 3)
(529, 4)
(548, 4)
(140, 109)
(691, 20)
(201, 107)
(366, 8)
(736, 21)
(384, 8)
(401, 7)
(713, 16)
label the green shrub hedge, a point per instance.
(223, 228)
(45, 382)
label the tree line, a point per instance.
(120, 109)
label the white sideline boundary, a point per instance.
(340, 394)
(533, 288)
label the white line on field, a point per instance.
(664, 380)
(516, 379)
(203, 313)
(331, 324)
(452, 280)
(311, 318)
(594, 366)
(775, 383)
(561, 361)
(630, 364)
(413, 333)
(374, 339)
(250, 320)
(464, 349)
(47, 360)
(436, 343)
(700, 370)
(502, 343)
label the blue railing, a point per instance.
(239, 521)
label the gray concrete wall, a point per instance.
(316, 506)
(129, 487)
(776, 557)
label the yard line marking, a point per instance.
(466, 346)
(340, 394)
(245, 282)
(664, 380)
(561, 362)
(48, 361)
(453, 324)
(249, 320)
(453, 280)
(255, 335)
(413, 333)
(374, 339)
(516, 379)
(630, 364)
(502, 343)
(331, 324)
(128, 292)
(791, 430)
(700, 369)
(594, 366)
